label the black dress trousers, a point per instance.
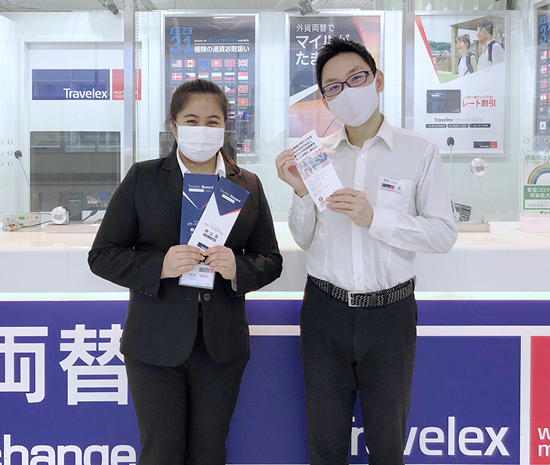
(184, 412)
(345, 350)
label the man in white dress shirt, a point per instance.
(358, 317)
(492, 51)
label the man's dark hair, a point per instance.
(337, 46)
(487, 24)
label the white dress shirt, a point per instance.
(497, 55)
(418, 220)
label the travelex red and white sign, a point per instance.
(481, 388)
(81, 84)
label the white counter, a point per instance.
(504, 260)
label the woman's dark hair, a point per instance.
(465, 39)
(181, 97)
(337, 46)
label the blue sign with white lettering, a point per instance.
(71, 84)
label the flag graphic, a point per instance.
(216, 63)
(243, 63)
(203, 75)
(189, 63)
(229, 63)
(543, 69)
(203, 63)
(231, 101)
(544, 55)
(232, 114)
(243, 76)
(243, 102)
(243, 114)
(177, 77)
(543, 83)
(174, 88)
(229, 89)
(243, 89)
(543, 97)
(229, 76)
(216, 76)
(176, 63)
(189, 76)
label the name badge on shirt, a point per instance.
(392, 185)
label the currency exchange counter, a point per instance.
(481, 381)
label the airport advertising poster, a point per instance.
(460, 88)
(307, 37)
(221, 50)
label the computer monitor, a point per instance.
(79, 170)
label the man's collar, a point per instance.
(384, 132)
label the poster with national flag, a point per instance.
(220, 49)
(307, 35)
(460, 91)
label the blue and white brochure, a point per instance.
(218, 218)
(197, 190)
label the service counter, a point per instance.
(504, 260)
(480, 390)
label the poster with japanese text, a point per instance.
(542, 92)
(307, 37)
(536, 185)
(221, 50)
(460, 82)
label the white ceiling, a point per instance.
(193, 5)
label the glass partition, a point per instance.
(63, 72)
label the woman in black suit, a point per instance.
(185, 348)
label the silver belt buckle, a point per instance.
(350, 294)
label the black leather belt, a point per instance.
(369, 299)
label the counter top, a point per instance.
(504, 260)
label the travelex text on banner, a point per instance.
(452, 99)
(480, 386)
(221, 50)
(81, 84)
(307, 37)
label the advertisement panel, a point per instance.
(307, 35)
(480, 387)
(460, 83)
(222, 50)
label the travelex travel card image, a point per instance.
(218, 217)
(315, 169)
(197, 190)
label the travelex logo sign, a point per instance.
(81, 84)
(451, 441)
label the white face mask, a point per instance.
(200, 143)
(354, 105)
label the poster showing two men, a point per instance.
(460, 82)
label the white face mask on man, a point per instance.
(200, 143)
(354, 105)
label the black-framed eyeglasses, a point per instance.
(356, 80)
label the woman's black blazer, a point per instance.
(141, 223)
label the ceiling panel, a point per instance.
(189, 5)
